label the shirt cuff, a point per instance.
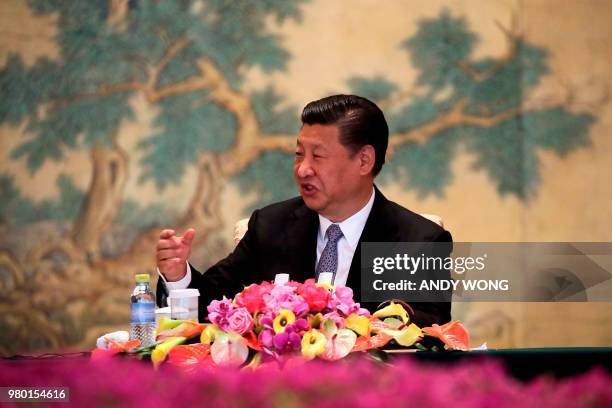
(179, 284)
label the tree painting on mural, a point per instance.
(187, 59)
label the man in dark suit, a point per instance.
(340, 149)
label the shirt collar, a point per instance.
(353, 226)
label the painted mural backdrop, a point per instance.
(67, 261)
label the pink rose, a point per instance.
(240, 321)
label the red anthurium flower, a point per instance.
(116, 348)
(252, 341)
(371, 342)
(189, 356)
(452, 334)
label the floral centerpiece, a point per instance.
(269, 324)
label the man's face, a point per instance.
(329, 178)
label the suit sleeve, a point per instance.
(428, 313)
(228, 276)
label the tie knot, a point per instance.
(333, 233)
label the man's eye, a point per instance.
(317, 156)
(299, 154)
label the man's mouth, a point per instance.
(308, 188)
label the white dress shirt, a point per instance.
(351, 229)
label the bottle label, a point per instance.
(143, 312)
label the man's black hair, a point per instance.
(359, 121)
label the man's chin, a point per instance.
(312, 203)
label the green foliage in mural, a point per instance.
(136, 216)
(82, 122)
(424, 167)
(185, 62)
(436, 48)
(557, 130)
(376, 88)
(15, 209)
(273, 117)
(270, 178)
(185, 128)
(81, 99)
(488, 90)
(488, 94)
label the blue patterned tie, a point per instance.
(329, 257)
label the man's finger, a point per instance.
(188, 236)
(168, 244)
(167, 233)
(164, 254)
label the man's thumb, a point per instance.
(188, 236)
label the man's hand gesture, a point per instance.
(173, 252)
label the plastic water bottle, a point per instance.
(143, 311)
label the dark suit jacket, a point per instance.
(282, 238)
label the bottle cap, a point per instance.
(326, 278)
(142, 277)
(281, 279)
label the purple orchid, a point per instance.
(219, 312)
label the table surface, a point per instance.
(526, 363)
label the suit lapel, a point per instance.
(301, 238)
(375, 230)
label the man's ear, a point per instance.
(367, 157)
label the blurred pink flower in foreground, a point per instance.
(354, 382)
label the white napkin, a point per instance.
(482, 347)
(120, 336)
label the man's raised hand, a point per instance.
(173, 252)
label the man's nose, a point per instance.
(304, 169)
